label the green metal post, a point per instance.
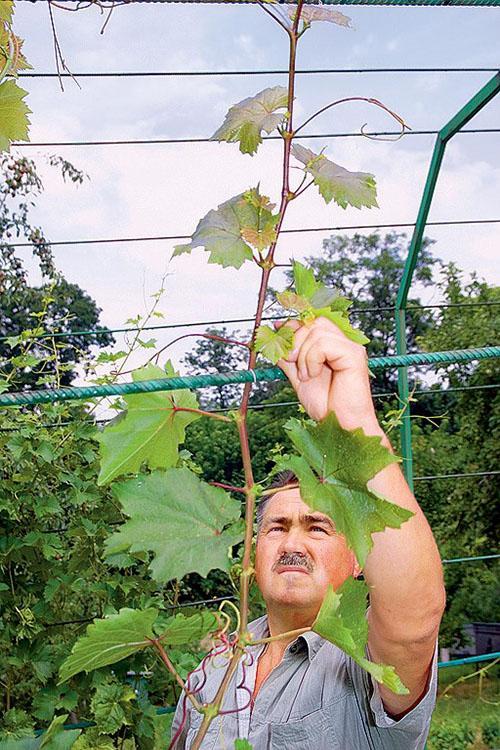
(473, 106)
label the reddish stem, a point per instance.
(165, 659)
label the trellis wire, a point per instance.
(301, 136)
(167, 326)
(299, 230)
(279, 404)
(237, 376)
(185, 73)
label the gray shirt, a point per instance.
(317, 698)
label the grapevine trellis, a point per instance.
(402, 361)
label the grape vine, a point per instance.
(187, 525)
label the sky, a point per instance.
(164, 189)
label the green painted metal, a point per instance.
(470, 660)
(473, 106)
(48, 396)
(469, 559)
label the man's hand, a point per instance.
(330, 373)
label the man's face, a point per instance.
(299, 554)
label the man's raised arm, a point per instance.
(330, 373)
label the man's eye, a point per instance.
(276, 528)
(318, 528)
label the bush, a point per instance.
(490, 730)
(456, 736)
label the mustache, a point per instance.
(294, 558)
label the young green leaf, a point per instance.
(149, 431)
(242, 745)
(274, 345)
(110, 640)
(314, 300)
(310, 14)
(228, 232)
(246, 120)
(187, 524)
(6, 10)
(342, 621)
(333, 469)
(336, 183)
(14, 113)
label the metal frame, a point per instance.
(466, 113)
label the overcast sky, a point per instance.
(144, 190)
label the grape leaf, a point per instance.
(57, 737)
(6, 10)
(274, 344)
(181, 520)
(309, 14)
(336, 183)
(228, 232)
(342, 621)
(149, 431)
(14, 113)
(246, 120)
(111, 706)
(180, 629)
(110, 640)
(333, 469)
(314, 300)
(10, 46)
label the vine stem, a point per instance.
(212, 336)
(267, 264)
(165, 659)
(281, 636)
(202, 413)
(274, 490)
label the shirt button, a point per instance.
(294, 649)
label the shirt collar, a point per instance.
(312, 641)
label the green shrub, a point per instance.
(452, 736)
(490, 730)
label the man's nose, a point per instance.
(293, 541)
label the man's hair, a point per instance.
(282, 479)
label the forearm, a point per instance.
(403, 570)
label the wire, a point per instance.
(283, 231)
(156, 141)
(185, 73)
(277, 404)
(169, 326)
(459, 476)
(469, 559)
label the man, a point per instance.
(304, 693)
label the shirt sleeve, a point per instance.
(410, 732)
(419, 716)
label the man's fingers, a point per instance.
(293, 324)
(290, 370)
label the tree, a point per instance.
(56, 305)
